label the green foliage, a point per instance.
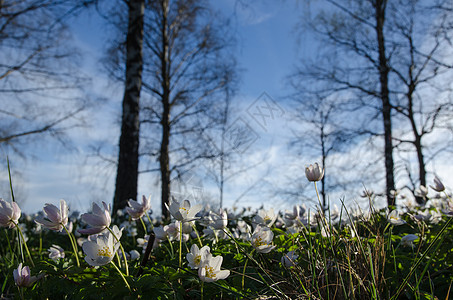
(354, 259)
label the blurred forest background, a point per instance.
(224, 102)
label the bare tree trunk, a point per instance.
(417, 140)
(164, 158)
(324, 156)
(380, 7)
(127, 172)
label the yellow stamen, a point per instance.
(210, 272)
(197, 259)
(105, 251)
(259, 242)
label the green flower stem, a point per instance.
(9, 246)
(144, 226)
(10, 181)
(21, 293)
(319, 199)
(202, 290)
(122, 276)
(20, 248)
(122, 251)
(25, 243)
(198, 236)
(149, 219)
(172, 250)
(447, 195)
(74, 245)
(245, 267)
(249, 256)
(180, 245)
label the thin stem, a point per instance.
(21, 292)
(202, 290)
(122, 276)
(10, 181)
(149, 219)
(9, 246)
(74, 246)
(122, 251)
(319, 199)
(180, 245)
(21, 248)
(198, 236)
(245, 266)
(144, 226)
(25, 243)
(447, 195)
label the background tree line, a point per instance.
(380, 81)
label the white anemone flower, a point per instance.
(100, 251)
(22, 276)
(438, 185)
(217, 221)
(314, 172)
(99, 219)
(265, 217)
(395, 219)
(289, 259)
(9, 214)
(196, 255)
(408, 240)
(421, 192)
(55, 253)
(134, 254)
(183, 211)
(209, 270)
(173, 233)
(161, 232)
(137, 210)
(262, 239)
(56, 218)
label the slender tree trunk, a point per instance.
(127, 172)
(380, 7)
(222, 143)
(222, 167)
(421, 160)
(164, 158)
(324, 155)
(417, 138)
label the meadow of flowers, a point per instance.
(340, 253)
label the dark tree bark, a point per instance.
(164, 158)
(380, 8)
(127, 172)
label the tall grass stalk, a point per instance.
(417, 263)
(24, 243)
(74, 245)
(122, 251)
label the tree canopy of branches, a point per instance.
(421, 66)
(39, 86)
(186, 64)
(376, 55)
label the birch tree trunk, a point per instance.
(127, 172)
(380, 7)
